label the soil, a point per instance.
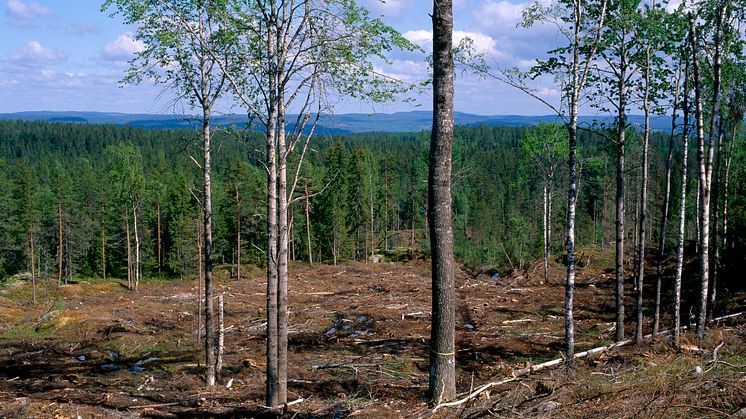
(357, 347)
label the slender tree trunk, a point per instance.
(603, 221)
(680, 244)
(643, 203)
(158, 237)
(665, 209)
(33, 271)
(682, 210)
(199, 282)
(442, 338)
(272, 381)
(619, 260)
(59, 254)
(697, 224)
(726, 186)
(221, 337)
(137, 248)
(209, 303)
(103, 252)
(705, 163)
(238, 236)
(546, 232)
(550, 208)
(386, 210)
(129, 249)
(715, 242)
(282, 266)
(308, 226)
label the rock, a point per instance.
(548, 406)
(741, 413)
(22, 276)
(697, 370)
(376, 258)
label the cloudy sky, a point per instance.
(68, 55)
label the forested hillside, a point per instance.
(365, 194)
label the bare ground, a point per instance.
(358, 347)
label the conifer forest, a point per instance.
(255, 261)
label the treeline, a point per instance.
(86, 200)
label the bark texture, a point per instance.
(442, 339)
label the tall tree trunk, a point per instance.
(619, 260)
(546, 232)
(137, 247)
(158, 237)
(726, 184)
(372, 220)
(200, 226)
(221, 337)
(442, 338)
(308, 225)
(715, 239)
(103, 252)
(272, 380)
(705, 163)
(59, 253)
(665, 209)
(238, 235)
(129, 249)
(697, 201)
(682, 212)
(33, 271)
(282, 266)
(209, 303)
(643, 202)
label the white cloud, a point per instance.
(21, 10)
(80, 28)
(501, 16)
(123, 48)
(482, 43)
(34, 52)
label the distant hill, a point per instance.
(330, 124)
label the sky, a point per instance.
(68, 55)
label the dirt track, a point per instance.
(357, 346)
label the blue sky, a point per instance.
(68, 55)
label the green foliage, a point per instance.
(367, 193)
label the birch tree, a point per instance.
(295, 54)
(580, 23)
(178, 39)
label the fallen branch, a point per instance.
(517, 321)
(332, 366)
(533, 368)
(155, 406)
(714, 361)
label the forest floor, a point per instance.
(357, 347)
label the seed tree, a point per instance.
(294, 56)
(652, 35)
(618, 77)
(669, 30)
(178, 38)
(442, 336)
(717, 19)
(580, 24)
